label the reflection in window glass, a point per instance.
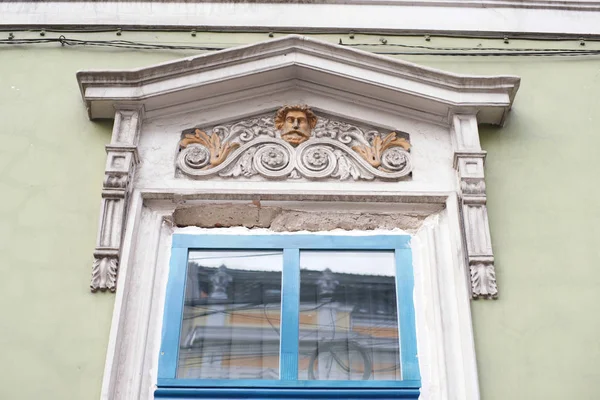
(231, 315)
(348, 316)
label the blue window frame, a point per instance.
(288, 384)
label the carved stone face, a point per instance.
(296, 128)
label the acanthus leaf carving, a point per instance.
(243, 167)
(373, 153)
(294, 144)
(218, 151)
(104, 273)
(483, 279)
(346, 169)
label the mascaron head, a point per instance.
(295, 123)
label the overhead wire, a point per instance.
(541, 37)
(411, 49)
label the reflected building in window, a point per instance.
(348, 322)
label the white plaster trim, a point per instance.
(121, 160)
(444, 334)
(461, 102)
(533, 17)
(468, 162)
(241, 71)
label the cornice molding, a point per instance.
(531, 18)
(243, 145)
(237, 71)
(581, 5)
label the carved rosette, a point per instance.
(334, 150)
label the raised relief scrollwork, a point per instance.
(377, 152)
(292, 144)
(211, 150)
(273, 160)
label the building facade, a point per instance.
(130, 130)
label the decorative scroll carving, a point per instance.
(304, 147)
(373, 154)
(216, 153)
(120, 163)
(468, 161)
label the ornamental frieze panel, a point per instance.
(294, 143)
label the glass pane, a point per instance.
(348, 316)
(231, 315)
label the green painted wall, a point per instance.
(538, 341)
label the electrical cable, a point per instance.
(187, 29)
(418, 50)
(410, 46)
(126, 44)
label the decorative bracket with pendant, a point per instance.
(468, 162)
(121, 159)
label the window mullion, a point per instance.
(290, 307)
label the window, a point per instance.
(289, 316)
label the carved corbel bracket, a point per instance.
(468, 162)
(121, 159)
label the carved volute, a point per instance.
(294, 143)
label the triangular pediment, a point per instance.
(297, 62)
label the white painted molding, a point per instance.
(121, 159)
(443, 319)
(239, 73)
(225, 81)
(468, 162)
(513, 17)
(447, 357)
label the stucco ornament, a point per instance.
(292, 144)
(215, 152)
(295, 123)
(373, 153)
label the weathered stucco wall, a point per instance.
(539, 340)
(281, 219)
